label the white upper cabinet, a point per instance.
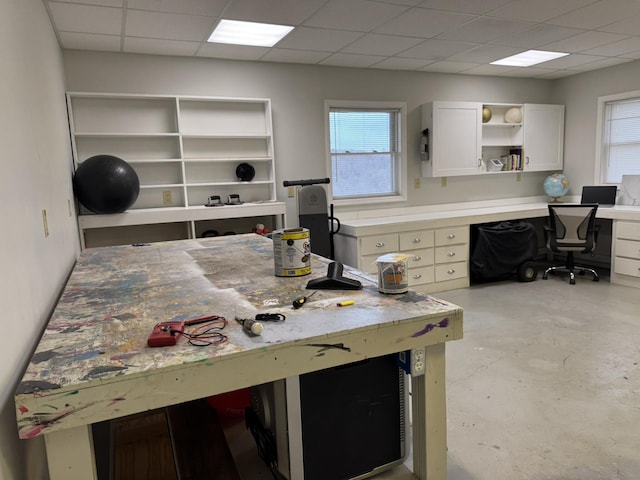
(471, 138)
(543, 137)
(455, 136)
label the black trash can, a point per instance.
(504, 248)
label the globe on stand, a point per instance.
(556, 185)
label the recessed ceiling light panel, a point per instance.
(249, 33)
(528, 58)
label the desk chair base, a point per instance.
(571, 271)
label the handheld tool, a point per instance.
(300, 301)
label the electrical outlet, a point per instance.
(518, 177)
(416, 182)
(443, 182)
(413, 361)
(417, 361)
(69, 208)
(45, 223)
(166, 198)
(291, 192)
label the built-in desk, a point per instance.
(93, 363)
(438, 241)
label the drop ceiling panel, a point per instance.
(355, 15)
(168, 26)
(189, 7)
(86, 18)
(424, 23)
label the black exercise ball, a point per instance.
(106, 184)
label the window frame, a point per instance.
(400, 164)
(601, 162)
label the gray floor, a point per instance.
(545, 385)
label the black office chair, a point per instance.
(572, 229)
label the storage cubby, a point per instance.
(183, 149)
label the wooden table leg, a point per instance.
(70, 454)
(429, 405)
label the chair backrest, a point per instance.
(572, 227)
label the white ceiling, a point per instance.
(451, 36)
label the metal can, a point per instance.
(292, 252)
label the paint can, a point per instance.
(292, 252)
(392, 273)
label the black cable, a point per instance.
(265, 443)
(270, 317)
(209, 333)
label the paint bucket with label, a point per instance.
(292, 252)
(392, 273)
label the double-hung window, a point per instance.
(619, 152)
(366, 151)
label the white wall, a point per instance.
(36, 161)
(580, 95)
(298, 93)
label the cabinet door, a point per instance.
(456, 141)
(543, 137)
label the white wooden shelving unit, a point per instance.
(184, 149)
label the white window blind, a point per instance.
(622, 139)
(364, 152)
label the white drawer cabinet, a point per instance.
(626, 253)
(437, 257)
(451, 255)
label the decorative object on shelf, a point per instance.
(210, 233)
(486, 114)
(214, 201)
(234, 199)
(106, 184)
(495, 165)
(556, 185)
(513, 115)
(245, 172)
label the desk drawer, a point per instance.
(413, 240)
(628, 230)
(379, 244)
(628, 248)
(451, 271)
(420, 276)
(420, 258)
(450, 236)
(627, 266)
(452, 253)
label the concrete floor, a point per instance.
(545, 384)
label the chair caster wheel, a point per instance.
(527, 272)
(596, 279)
(545, 275)
(572, 281)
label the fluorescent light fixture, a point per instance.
(248, 33)
(528, 58)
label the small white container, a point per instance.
(392, 273)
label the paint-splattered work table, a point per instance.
(93, 363)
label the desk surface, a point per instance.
(469, 216)
(93, 364)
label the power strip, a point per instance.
(413, 361)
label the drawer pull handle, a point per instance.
(380, 244)
(451, 271)
(451, 236)
(417, 276)
(417, 258)
(416, 240)
(451, 254)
